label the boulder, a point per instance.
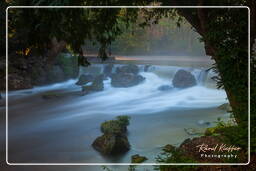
(126, 80)
(165, 88)
(114, 139)
(133, 69)
(108, 70)
(118, 126)
(97, 84)
(183, 79)
(138, 159)
(84, 79)
(110, 144)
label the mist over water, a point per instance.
(144, 98)
(45, 128)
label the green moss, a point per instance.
(115, 126)
(174, 156)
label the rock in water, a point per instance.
(132, 69)
(118, 126)
(114, 139)
(97, 85)
(138, 159)
(111, 144)
(183, 79)
(84, 79)
(126, 80)
(164, 88)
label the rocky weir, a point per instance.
(72, 113)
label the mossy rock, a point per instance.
(110, 144)
(124, 120)
(112, 127)
(138, 159)
(97, 84)
(118, 126)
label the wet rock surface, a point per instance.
(114, 139)
(183, 79)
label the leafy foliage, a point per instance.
(174, 156)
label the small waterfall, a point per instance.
(202, 77)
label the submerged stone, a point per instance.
(138, 159)
(50, 95)
(165, 88)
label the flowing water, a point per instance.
(63, 128)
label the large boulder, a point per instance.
(126, 80)
(183, 79)
(114, 139)
(84, 79)
(97, 84)
(110, 144)
(133, 69)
